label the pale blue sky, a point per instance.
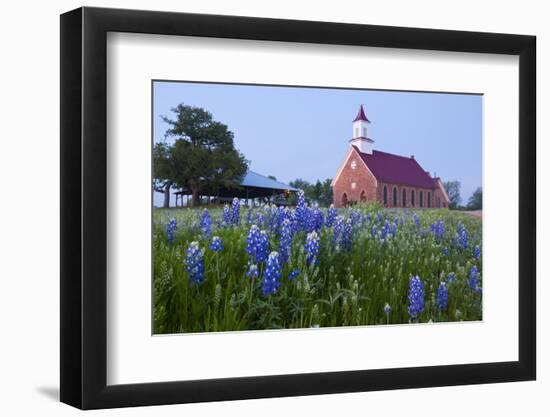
(303, 132)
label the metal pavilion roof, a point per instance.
(253, 179)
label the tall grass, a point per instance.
(345, 288)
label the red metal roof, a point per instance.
(361, 115)
(395, 169)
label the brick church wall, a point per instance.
(365, 183)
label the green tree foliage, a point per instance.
(320, 192)
(202, 156)
(453, 191)
(476, 200)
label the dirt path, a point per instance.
(474, 213)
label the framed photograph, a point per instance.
(256, 208)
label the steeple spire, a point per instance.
(360, 139)
(361, 115)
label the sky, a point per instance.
(297, 132)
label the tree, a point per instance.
(320, 192)
(453, 191)
(163, 171)
(476, 200)
(202, 156)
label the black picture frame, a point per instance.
(84, 207)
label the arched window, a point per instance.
(404, 198)
(344, 200)
(363, 197)
(385, 196)
(420, 199)
(394, 196)
(412, 198)
(429, 202)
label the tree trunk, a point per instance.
(167, 195)
(196, 200)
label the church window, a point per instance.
(429, 198)
(412, 198)
(404, 198)
(385, 196)
(353, 164)
(421, 199)
(394, 197)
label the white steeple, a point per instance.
(359, 138)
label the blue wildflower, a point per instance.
(473, 280)
(445, 251)
(226, 215)
(302, 212)
(416, 220)
(438, 229)
(285, 241)
(317, 219)
(331, 216)
(416, 297)
(356, 218)
(293, 274)
(477, 252)
(235, 211)
(170, 229)
(272, 275)
(194, 263)
(451, 277)
(206, 223)
(312, 248)
(387, 309)
(216, 245)
(257, 244)
(442, 297)
(252, 271)
(379, 216)
(461, 237)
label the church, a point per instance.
(393, 180)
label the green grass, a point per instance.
(344, 289)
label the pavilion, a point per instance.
(254, 188)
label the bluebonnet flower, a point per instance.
(445, 251)
(344, 237)
(473, 280)
(252, 271)
(337, 230)
(451, 277)
(249, 213)
(384, 231)
(438, 229)
(206, 223)
(477, 252)
(272, 274)
(416, 297)
(373, 230)
(387, 309)
(416, 220)
(293, 274)
(302, 212)
(170, 229)
(312, 248)
(355, 217)
(331, 216)
(379, 216)
(257, 244)
(461, 237)
(216, 245)
(442, 296)
(235, 211)
(226, 215)
(317, 219)
(285, 241)
(194, 263)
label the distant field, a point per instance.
(273, 268)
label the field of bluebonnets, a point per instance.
(240, 268)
